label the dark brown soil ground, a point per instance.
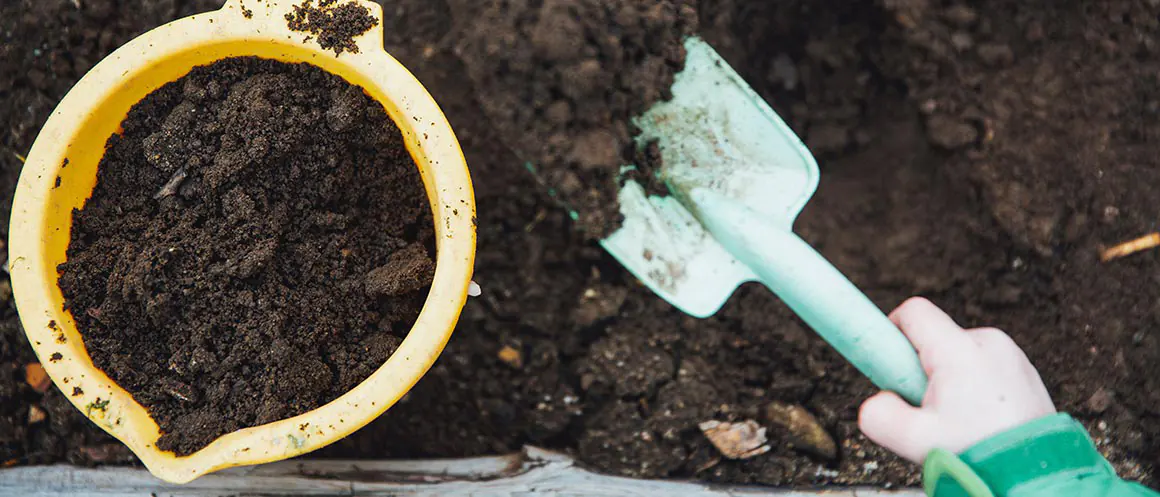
(257, 244)
(978, 153)
(563, 81)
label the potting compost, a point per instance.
(258, 242)
(977, 153)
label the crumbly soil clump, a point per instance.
(332, 25)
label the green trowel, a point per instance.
(738, 178)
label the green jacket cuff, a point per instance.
(1037, 453)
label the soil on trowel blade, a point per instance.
(258, 243)
(977, 153)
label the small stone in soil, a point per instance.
(742, 440)
(802, 428)
(36, 377)
(962, 41)
(961, 15)
(598, 303)
(511, 356)
(170, 187)
(36, 415)
(1100, 401)
(950, 133)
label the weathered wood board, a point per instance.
(531, 472)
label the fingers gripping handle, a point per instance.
(819, 293)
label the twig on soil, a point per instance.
(19, 157)
(540, 216)
(180, 391)
(1130, 247)
(94, 313)
(171, 186)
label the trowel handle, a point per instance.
(839, 312)
(817, 292)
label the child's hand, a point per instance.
(981, 384)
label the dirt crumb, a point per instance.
(408, 270)
(334, 26)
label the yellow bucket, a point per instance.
(61, 172)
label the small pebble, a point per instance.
(511, 356)
(826, 473)
(1100, 401)
(473, 290)
(36, 415)
(950, 133)
(1111, 212)
(802, 429)
(742, 440)
(961, 15)
(36, 377)
(962, 41)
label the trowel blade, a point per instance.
(715, 133)
(666, 248)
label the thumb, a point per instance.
(891, 422)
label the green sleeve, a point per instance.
(1051, 456)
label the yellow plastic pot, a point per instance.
(60, 174)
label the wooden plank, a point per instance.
(476, 468)
(532, 472)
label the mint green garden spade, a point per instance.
(739, 177)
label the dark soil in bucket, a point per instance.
(978, 153)
(259, 241)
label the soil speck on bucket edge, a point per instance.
(334, 26)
